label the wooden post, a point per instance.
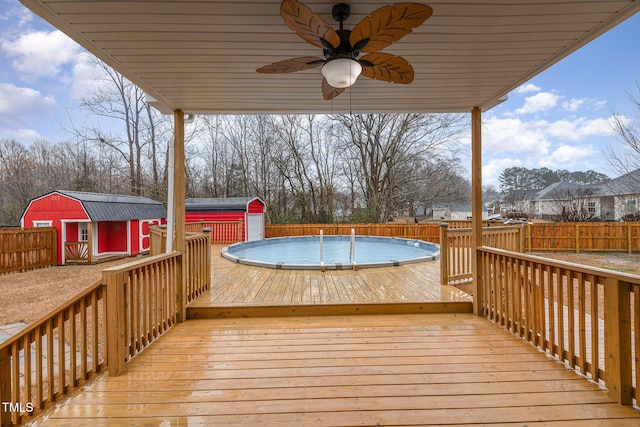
(90, 242)
(115, 312)
(577, 238)
(617, 340)
(179, 196)
(476, 208)
(5, 384)
(444, 254)
(208, 231)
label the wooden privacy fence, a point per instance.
(456, 249)
(583, 236)
(562, 236)
(428, 232)
(138, 301)
(23, 249)
(586, 317)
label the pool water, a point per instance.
(304, 252)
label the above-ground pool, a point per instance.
(304, 252)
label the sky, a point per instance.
(558, 120)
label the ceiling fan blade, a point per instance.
(292, 65)
(308, 25)
(387, 67)
(388, 24)
(328, 91)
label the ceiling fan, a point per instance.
(341, 65)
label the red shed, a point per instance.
(247, 210)
(93, 226)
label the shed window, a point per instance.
(83, 232)
(39, 224)
(591, 207)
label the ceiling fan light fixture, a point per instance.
(341, 72)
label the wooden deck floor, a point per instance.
(435, 369)
(245, 290)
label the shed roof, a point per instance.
(219, 204)
(112, 207)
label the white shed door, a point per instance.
(254, 227)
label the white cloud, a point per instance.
(541, 101)
(568, 157)
(573, 104)
(19, 101)
(492, 169)
(515, 135)
(14, 14)
(23, 135)
(87, 76)
(580, 128)
(527, 88)
(40, 54)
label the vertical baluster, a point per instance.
(84, 345)
(582, 323)
(72, 346)
(62, 362)
(571, 321)
(595, 326)
(39, 356)
(50, 326)
(26, 371)
(560, 314)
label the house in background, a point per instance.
(95, 227)
(607, 201)
(247, 212)
(449, 211)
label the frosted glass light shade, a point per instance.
(341, 72)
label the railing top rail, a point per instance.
(624, 277)
(140, 263)
(195, 236)
(44, 319)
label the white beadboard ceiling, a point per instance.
(201, 55)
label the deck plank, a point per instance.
(235, 285)
(436, 369)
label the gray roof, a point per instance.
(628, 183)
(558, 190)
(111, 207)
(237, 204)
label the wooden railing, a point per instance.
(141, 305)
(23, 249)
(456, 249)
(58, 354)
(53, 356)
(197, 265)
(222, 232)
(76, 251)
(586, 317)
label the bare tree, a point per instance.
(132, 127)
(628, 130)
(392, 150)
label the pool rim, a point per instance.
(337, 266)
